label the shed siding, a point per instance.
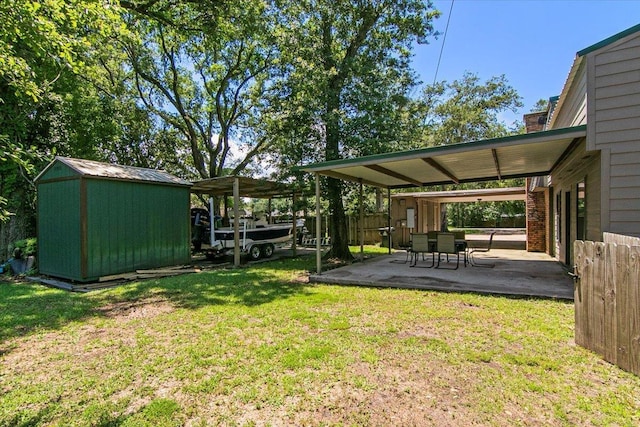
(94, 226)
(59, 235)
(614, 78)
(135, 226)
(574, 108)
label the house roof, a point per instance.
(92, 168)
(609, 40)
(475, 195)
(515, 156)
(577, 63)
(248, 187)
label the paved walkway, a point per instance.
(515, 272)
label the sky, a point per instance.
(532, 42)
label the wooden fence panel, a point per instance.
(607, 301)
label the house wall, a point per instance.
(399, 206)
(578, 166)
(613, 74)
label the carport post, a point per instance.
(360, 202)
(318, 227)
(294, 249)
(236, 222)
(389, 217)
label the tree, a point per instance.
(347, 66)
(44, 49)
(468, 110)
(207, 85)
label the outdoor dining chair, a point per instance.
(446, 244)
(472, 251)
(420, 245)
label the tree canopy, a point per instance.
(207, 88)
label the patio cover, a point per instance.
(517, 156)
(248, 187)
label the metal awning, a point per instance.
(466, 196)
(248, 187)
(518, 156)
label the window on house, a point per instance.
(558, 216)
(581, 210)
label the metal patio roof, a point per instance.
(517, 156)
(248, 187)
(473, 195)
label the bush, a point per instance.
(27, 247)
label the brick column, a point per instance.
(536, 219)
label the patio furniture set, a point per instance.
(444, 244)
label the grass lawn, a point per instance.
(260, 346)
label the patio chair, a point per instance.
(472, 251)
(420, 245)
(446, 244)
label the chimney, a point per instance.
(535, 122)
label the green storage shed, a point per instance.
(98, 219)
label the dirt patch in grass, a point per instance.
(146, 308)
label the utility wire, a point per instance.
(444, 38)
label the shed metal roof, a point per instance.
(517, 156)
(248, 187)
(96, 169)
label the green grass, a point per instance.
(258, 346)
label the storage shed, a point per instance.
(98, 219)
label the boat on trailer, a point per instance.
(257, 238)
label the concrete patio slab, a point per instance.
(515, 272)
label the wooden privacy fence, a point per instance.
(372, 224)
(607, 300)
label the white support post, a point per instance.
(318, 227)
(294, 249)
(361, 203)
(236, 222)
(389, 217)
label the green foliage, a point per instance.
(27, 246)
(467, 110)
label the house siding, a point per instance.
(579, 165)
(613, 73)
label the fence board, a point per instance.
(634, 310)
(620, 239)
(610, 308)
(622, 305)
(587, 294)
(596, 312)
(580, 286)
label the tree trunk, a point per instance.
(338, 222)
(338, 227)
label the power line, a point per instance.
(444, 38)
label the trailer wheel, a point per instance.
(267, 250)
(255, 252)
